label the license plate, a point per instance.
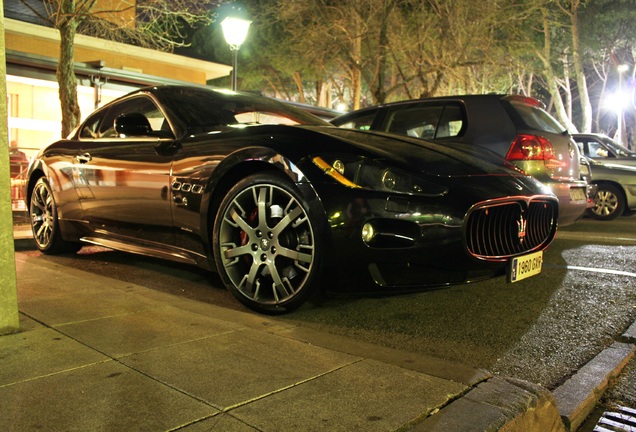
(578, 194)
(523, 267)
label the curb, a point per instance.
(501, 404)
(578, 396)
(23, 244)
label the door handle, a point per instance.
(86, 157)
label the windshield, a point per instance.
(617, 149)
(202, 109)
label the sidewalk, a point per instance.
(95, 353)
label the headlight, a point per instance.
(360, 172)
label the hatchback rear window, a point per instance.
(536, 118)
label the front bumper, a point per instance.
(426, 242)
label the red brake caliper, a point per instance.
(243, 235)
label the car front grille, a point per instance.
(498, 230)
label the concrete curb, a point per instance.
(501, 404)
(630, 334)
(577, 397)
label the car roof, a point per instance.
(490, 97)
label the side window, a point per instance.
(593, 149)
(418, 121)
(597, 150)
(89, 130)
(140, 104)
(451, 122)
(361, 121)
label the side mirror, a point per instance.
(132, 124)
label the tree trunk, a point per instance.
(586, 105)
(298, 80)
(66, 78)
(356, 79)
(566, 85)
(550, 76)
(383, 44)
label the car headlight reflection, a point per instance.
(368, 233)
(388, 180)
(375, 175)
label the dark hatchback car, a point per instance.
(515, 127)
(613, 172)
(280, 202)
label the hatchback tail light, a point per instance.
(530, 147)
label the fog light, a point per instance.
(368, 232)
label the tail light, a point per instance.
(530, 147)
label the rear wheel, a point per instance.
(608, 203)
(266, 247)
(45, 223)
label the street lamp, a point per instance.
(235, 31)
(619, 133)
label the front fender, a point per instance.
(241, 164)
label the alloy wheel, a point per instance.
(43, 215)
(266, 245)
(606, 203)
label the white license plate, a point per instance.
(523, 267)
(578, 194)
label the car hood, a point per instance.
(615, 162)
(613, 166)
(446, 160)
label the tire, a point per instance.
(44, 221)
(609, 203)
(266, 246)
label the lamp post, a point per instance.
(235, 31)
(619, 133)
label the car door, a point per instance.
(124, 187)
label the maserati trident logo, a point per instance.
(521, 225)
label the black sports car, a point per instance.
(279, 202)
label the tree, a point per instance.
(608, 35)
(158, 24)
(381, 50)
(546, 55)
(571, 9)
(564, 52)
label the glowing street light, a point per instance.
(235, 32)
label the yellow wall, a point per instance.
(115, 60)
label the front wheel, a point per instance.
(266, 247)
(44, 221)
(608, 203)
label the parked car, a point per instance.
(515, 127)
(278, 201)
(602, 148)
(613, 171)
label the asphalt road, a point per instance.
(541, 329)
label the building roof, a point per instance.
(32, 39)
